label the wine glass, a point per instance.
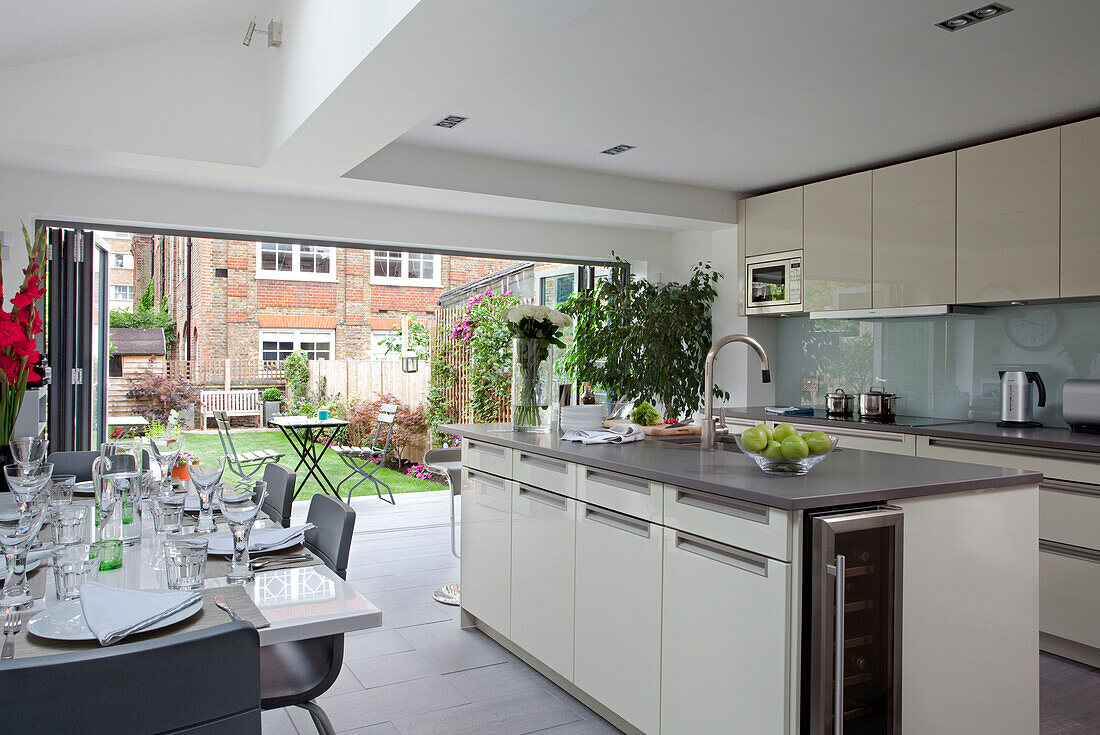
(19, 529)
(28, 451)
(166, 455)
(207, 479)
(240, 513)
(26, 484)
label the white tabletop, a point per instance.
(127, 421)
(300, 603)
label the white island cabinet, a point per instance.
(487, 548)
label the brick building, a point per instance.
(120, 265)
(254, 302)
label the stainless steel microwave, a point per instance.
(773, 283)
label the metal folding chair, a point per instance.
(366, 461)
(245, 466)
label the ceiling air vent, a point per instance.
(619, 149)
(450, 121)
(974, 16)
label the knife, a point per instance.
(219, 600)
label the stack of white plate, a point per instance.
(581, 418)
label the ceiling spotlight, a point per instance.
(974, 16)
(616, 150)
(274, 33)
(450, 121)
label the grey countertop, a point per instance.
(846, 477)
(1044, 437)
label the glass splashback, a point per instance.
(945, 366)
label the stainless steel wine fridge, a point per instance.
(852, 639)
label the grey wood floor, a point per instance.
(420, 674)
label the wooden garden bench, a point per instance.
(233, 403)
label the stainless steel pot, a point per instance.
(877, 404)
(839, 403)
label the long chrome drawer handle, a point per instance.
(543, 463)
(730, 555)
(616, 520)
(726, 506)
(544, 497)
(624, 483)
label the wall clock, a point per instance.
(1033, 329)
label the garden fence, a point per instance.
(366, 379)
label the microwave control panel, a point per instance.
(794, 287)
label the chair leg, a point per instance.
(320, 719)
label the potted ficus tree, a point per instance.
(273, 402)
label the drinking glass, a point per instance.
(28, 451)
(27, 484)
(61, 490)
(207, 480)
(168, 513)
(67, 523)
(165, 455)
(109, 553)
(240, 513)
(19, 528)
(185, 562)
(72, 565)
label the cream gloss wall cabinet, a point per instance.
(913, 246)
(1080, 261)
(836, 260)
(1008, 219)
(773, 222)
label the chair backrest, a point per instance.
(127, 688)
(280, 492)
(221, 421)
(331, 539)
(74, 463)
(387, 413)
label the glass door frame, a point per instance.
(68, 337)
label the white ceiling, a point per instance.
(41, 30)
(747, 95)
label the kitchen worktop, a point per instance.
(848, 476)
(1043, 437)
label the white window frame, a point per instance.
(377, 351)
(572, 270)
(296, 336)
(295, 273)
(122, 285)
(127, 261)
(403, 280)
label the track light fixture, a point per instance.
(274, 33)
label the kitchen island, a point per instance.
(680, 591)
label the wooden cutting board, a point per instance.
(658, 430)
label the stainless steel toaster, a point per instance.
(1081, 403)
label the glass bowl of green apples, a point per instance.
(782, 450)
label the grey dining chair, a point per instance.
(133, 687)
(448, 463)
(74, 463)
(280, 481)
(295, 673)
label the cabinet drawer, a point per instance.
(870, 440)
(545, 472)
(487, 548)
(750, 526)
(631, 495)
(491, 458)
(1069, 512)
(736, 426)
(1054, 463)
(1069, 596)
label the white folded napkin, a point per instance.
(260, 539)
(113, 613)
(617, 434)
(31, 557)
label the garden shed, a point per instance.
(132, 353)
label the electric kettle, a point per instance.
(1016, 409)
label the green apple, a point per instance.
(774, 450)
(782, 431)
(819, 442)
(768, 431)
(754, 440)
(794, 447)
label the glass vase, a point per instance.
(532, 384)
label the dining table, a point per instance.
(298, 598)
(310, 437)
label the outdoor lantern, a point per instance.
(410, 363)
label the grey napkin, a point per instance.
(112, 613)
(260, 539)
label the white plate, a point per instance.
(288, 545)
(65, 621)
(84, 488)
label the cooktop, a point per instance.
(899, 420)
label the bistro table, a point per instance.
(306, 434)
(299, 603)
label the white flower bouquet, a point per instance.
(535, 329)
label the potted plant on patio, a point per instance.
(273, 402)
(182, 470)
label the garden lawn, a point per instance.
(207, 447)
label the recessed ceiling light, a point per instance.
(616, 150)
(974, 16)
(450, 121)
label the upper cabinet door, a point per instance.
(1080, 210)
(773, 222)
(913, 247)
(836, 257)
(1008, 219)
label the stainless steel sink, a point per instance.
(723, 442)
